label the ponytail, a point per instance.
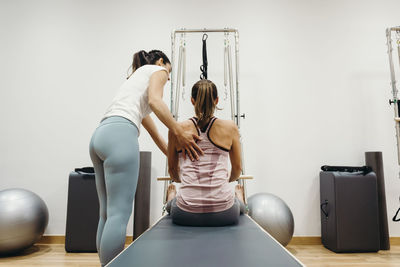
(142, 58)
(139, 59)
(204, 93)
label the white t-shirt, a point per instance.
(132, 99)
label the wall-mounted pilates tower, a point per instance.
(179, 43)
(231, 76)
(390, 32)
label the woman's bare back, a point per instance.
(221, 132)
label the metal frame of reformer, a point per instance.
(232, 79)
(394, 100)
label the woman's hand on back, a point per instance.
(187, 141)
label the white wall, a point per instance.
(314, 87)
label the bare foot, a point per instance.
(239, 192)
(171, 192)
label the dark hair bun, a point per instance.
(145, 55)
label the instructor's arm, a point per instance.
(186, 140)
(151, 128)
(172, 156)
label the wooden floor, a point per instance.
(317, 255)
(311, 255)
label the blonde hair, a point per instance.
(204, 93)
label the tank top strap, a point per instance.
(194, 120)
(212, 120)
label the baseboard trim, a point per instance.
(60, 239)
(395, 240)
(296, 240)
(52, 239)
(316, 240)
(305, 240)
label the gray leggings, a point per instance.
(222, 218)
(114, 151)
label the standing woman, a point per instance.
(114, 147)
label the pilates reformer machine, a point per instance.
(167, 244)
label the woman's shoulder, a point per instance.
(149, 69)
(152, 68)
(225, 124)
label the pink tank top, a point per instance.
(205, 183)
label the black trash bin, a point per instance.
(82, 211)
(349, 211)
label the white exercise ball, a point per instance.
(23, 219)
(272, 214)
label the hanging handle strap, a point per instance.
(395, 219)
(324, 205)
(204, 67)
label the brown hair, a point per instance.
(142, 58)
(204, 93)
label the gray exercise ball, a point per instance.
(272, 214)
(23, 219)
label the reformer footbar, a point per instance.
(169, 245)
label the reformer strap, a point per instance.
(204, 67)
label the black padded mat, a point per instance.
(170, 245)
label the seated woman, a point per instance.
(205, 197)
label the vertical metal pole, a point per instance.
(172, 69)
(394, 89)
(237, 78)
(178, 82)
(184, 62)
(171, 107)
(392, 74)
(230, 75)
(237, 115)
(225, 68)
